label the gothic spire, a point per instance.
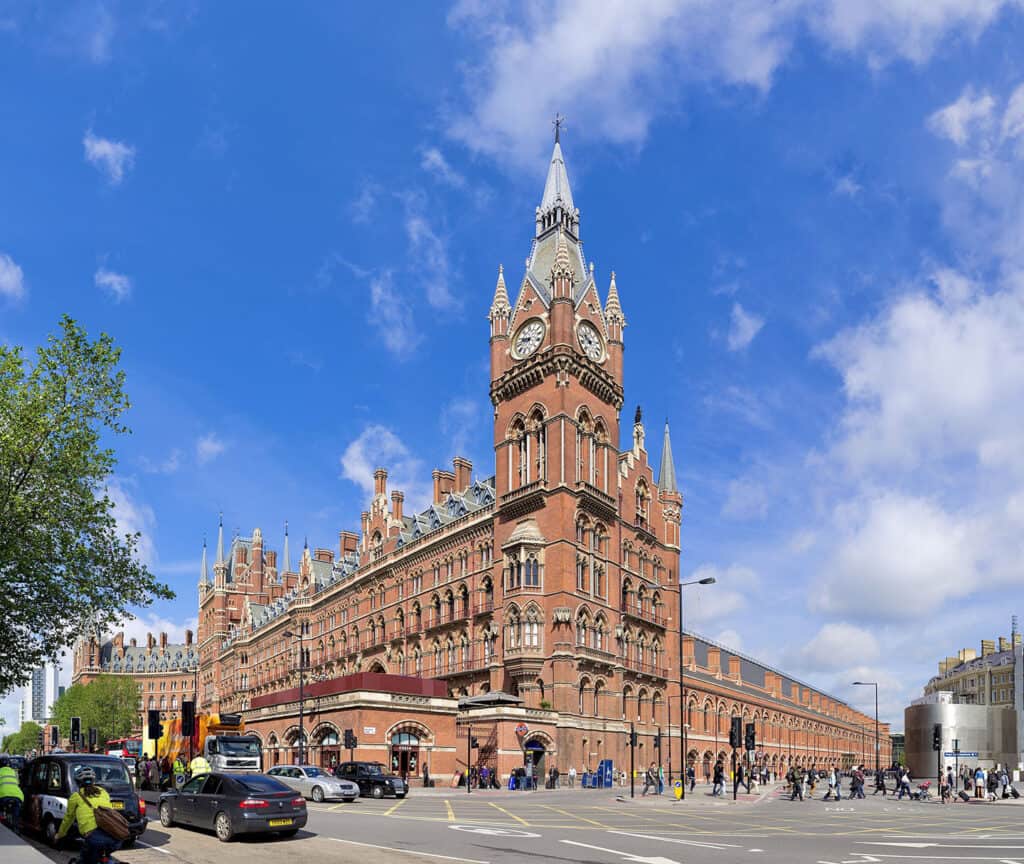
(500, 301)
(613, 307)
(556, 188)
(220, 541)
(667, 477)
(204, 572)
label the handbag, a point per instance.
(110, 821)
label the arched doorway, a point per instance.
(329, 747)
(533, 759)
(405, 754)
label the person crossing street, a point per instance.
(11, 796)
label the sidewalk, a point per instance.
(14, 850)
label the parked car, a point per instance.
(233, 804)
(371, 779)
(313, 782)
(49, 781)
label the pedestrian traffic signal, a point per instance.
(736, 733)
(474, 742)
(188, 718)
(350, 740)
(937, 737)
(657, 740)
(155, 727)
(54, 736)
(633, 739)
(749, 738)
(76, 729)
(42, 740)
(93, 737)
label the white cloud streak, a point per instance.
(116, 285)
(208, 448)
(111, 158)
(12, 279)
(743, 328)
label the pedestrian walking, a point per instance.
(880, 783)
(833, 787)
(572, 776)
(650, 780)
(796, 779)
(691, 775)
(719, 780)
(979, 782)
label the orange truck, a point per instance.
(220, 738)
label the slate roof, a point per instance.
(140, 659)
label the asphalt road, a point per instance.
(594, 828)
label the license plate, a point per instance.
(274, 823)
(117, 805)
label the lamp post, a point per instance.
(302, 694)
(875, 685)
(709, 580)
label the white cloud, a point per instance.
(365, 202)
(170, 465)
(729, 638)
(744, 404)
(460, 418)
(837, 646)
(632, 57)
(208, 447)
(434, 163)
(802, 541)
(12, 280)
(379, 447)
(960, 120)
(429, 252)
(140, 626)
(134, 516)
(117, 285)
(1013, 119)
(391, 316)
(707, 605)
(847, 186)
(112, 158)
(746, 499)
(743, 327)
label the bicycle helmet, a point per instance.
(85, 776)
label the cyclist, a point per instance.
(81, 811)
(11, 796)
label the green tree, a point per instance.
(66, 571)
(109, 704)
(25, 739)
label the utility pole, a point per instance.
(632, 767)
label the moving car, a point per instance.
(233, 804)
(48, 781)
(313, 782)
(371, 779)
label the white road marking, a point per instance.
(638, 859)
(408, 851)
(708, 844)
(931, 845)
(154, 848)
(497, 831)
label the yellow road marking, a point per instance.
(336, 806)
(398, 804)
(451, 813)
(518, 819)
(574, 816)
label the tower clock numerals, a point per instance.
(590, 341)
(529, 338)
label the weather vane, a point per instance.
(558, 122)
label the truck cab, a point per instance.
(233, 753)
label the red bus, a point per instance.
(127, 748)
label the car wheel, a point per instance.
(291, 832)
(225, 830)
(378, 792)
(318, 795)
(166, 819)
(50, 832)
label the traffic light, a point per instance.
(474, 742)
(749, 738)
(54, 736)
(937, 737)
(93, 737)
(736, 733)
(155, 728)
(350, 740)
(188, 719)
(76, 730)
(42, 740)
(633, 739)
(657, 741)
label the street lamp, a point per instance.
(302, 666)
(708, 580)
(875, 685)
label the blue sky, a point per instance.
(291, 222)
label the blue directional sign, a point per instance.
(963, 754)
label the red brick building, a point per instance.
(539, 605)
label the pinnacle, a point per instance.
(612, 307)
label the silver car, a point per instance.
(313, 782)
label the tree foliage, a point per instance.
(66, 571)
(25, 739)
(108, 704)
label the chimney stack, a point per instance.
(396, 505)
(347, 542)
(380, 482)
(133, 642)
(150, 642)
(714, 660)
(188, 637)
(463, 473)
(163, 641)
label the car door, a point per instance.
(210, 801)
(186, 801)
(351, 772)
(304, 783)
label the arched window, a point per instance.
(582, 622)
(599, 631)
(581, 573)
(532, 575)
(539, 437)
(584, 684)
(597, 699)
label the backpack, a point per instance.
(110, 821)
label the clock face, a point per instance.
(529, 338)
(590, 341)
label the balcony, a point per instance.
(598, 655)
(523, 500)
(601, 504)
(644, 613)
(455, 667)
(644, 668)
(484, 607)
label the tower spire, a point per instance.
(287, 555)
(220, 541)
(556, 205)
(204, 572)
(500, 301)
(667, 476)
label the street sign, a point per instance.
(963, 754)
(521, 729)
(678, 787)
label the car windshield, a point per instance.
(239, 746)
(315, 772)
(109, 775)
(374, 768)
(261, 784)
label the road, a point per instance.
(593, 827)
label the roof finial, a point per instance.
(558, 122)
